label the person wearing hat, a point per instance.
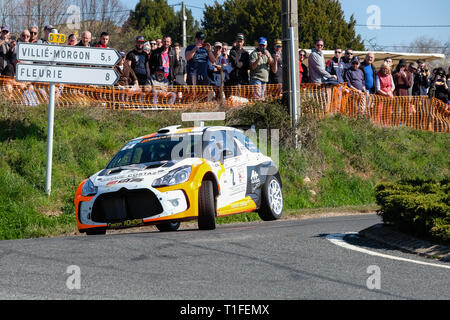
(355, 76)
(160, 87)
(127, 76)
(139, 61)
(197, 57)
(277, 56)
(261, 63)
(219, 70)
(47, 30)
(240, 63)
(402, 79)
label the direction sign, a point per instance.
(66, 74)
(39, 52)
(56, 38)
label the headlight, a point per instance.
(88, 189)
(174, 177)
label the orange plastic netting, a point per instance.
(421, 113)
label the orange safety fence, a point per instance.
(422, 112)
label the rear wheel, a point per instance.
(168, 226)
(206, 206)
(272, 200)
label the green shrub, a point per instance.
(421, 207)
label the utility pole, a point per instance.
(183, 13)
(291, 84)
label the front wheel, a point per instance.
(272, 200)
(206, 206)
(168, 226)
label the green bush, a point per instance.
(421, 207)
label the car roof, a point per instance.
(172, 130)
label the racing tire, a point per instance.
(168, 226)
(95, 231)
(206, 206)
(272, 200)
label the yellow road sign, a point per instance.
(56, 38)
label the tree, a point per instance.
(151, 16)
(255, 18)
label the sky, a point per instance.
(378, 20)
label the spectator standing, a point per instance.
(369, 72)
(303, 69)
(316, 64)
(277, 56)
(104, 40)
(164, 56)
(47, 30)
(402, 79)
(261, 63)
(86, 38)
(240, 63)
(126, 74)
(225, 62)
(153, 45)
(34, 34)
(180, 66)
(72, 40)
(384, 82)
(24, 36)
(138, 60)
(197, 57)
(335, 66)
(159, 43)
(389, 62)
(420, 79)
(6, 55)
(355, 77)
(438, 85)
(347, 59)
(218, 72)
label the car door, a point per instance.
(222, 150)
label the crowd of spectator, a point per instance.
(159, 62)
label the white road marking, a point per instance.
(338, 239)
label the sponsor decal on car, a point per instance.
(126, 224)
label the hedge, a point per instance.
(419, 207)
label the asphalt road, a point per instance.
(285, 259)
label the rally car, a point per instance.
(179, 174)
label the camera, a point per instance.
(262, 50)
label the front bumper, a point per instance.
(139, 206)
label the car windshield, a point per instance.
(139, 153)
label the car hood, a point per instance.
(136, 176)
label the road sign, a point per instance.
(56, 38)
(39, 52)
(66, 74)
(202, 116)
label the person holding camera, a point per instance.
(402, 79)
(438, 85)
(420, 84)
(261, 62)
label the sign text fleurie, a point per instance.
(83, 57)
(75, 66)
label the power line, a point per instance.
(403, 26)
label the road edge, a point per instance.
(389, 236)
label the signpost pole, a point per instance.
(51, 116)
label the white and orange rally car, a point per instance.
(179, 174)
